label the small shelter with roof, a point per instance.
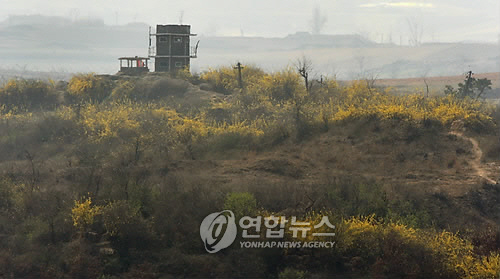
(134, 65)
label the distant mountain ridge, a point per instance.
(44, 43)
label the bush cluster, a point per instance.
(103, 181)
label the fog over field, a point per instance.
(442, 20)
(342, 38)
(285, 139)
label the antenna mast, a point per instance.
(149, 36)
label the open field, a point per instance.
(436, 83)
(76, 48)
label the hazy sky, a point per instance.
(442, 20)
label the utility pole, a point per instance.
(240, 80)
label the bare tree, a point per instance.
(35, 174)
(318, 21)
(416, 30)
(389, 39)
(304, 67)
(370, 79)
(360, 60)
(425, 73)
(364, 34)
(331, 70)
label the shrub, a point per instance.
(291, 273)
(19, 95)
(6, 195)
(356, 103)
(225, 79)
(185, 74)
(167, 86)
(242, 204)
(125, 90)
(89, 87)
(126, 227)
(283, 86)
(470, 88)
(83, 214)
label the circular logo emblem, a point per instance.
(218, 231)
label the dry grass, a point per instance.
(432, 168)
(436, 84)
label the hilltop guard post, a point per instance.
(173, 51)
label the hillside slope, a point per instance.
(111, 176)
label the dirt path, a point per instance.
(479, 168)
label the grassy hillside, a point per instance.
(111, 177)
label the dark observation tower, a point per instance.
(173, 51)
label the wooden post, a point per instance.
(240, 80)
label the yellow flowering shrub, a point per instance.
(14, 114)
(105, 122)
(102, 122)
(460, 257)
(184, 74)
(66, 113)
(487, 267)
(123, 91)
(83, 214)
(6, 113)
(27, 94)
(282, 86)
(397, 246)
(190, 130)
(89, 87)
(356, 101)
(243, 128)
(225, 79)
